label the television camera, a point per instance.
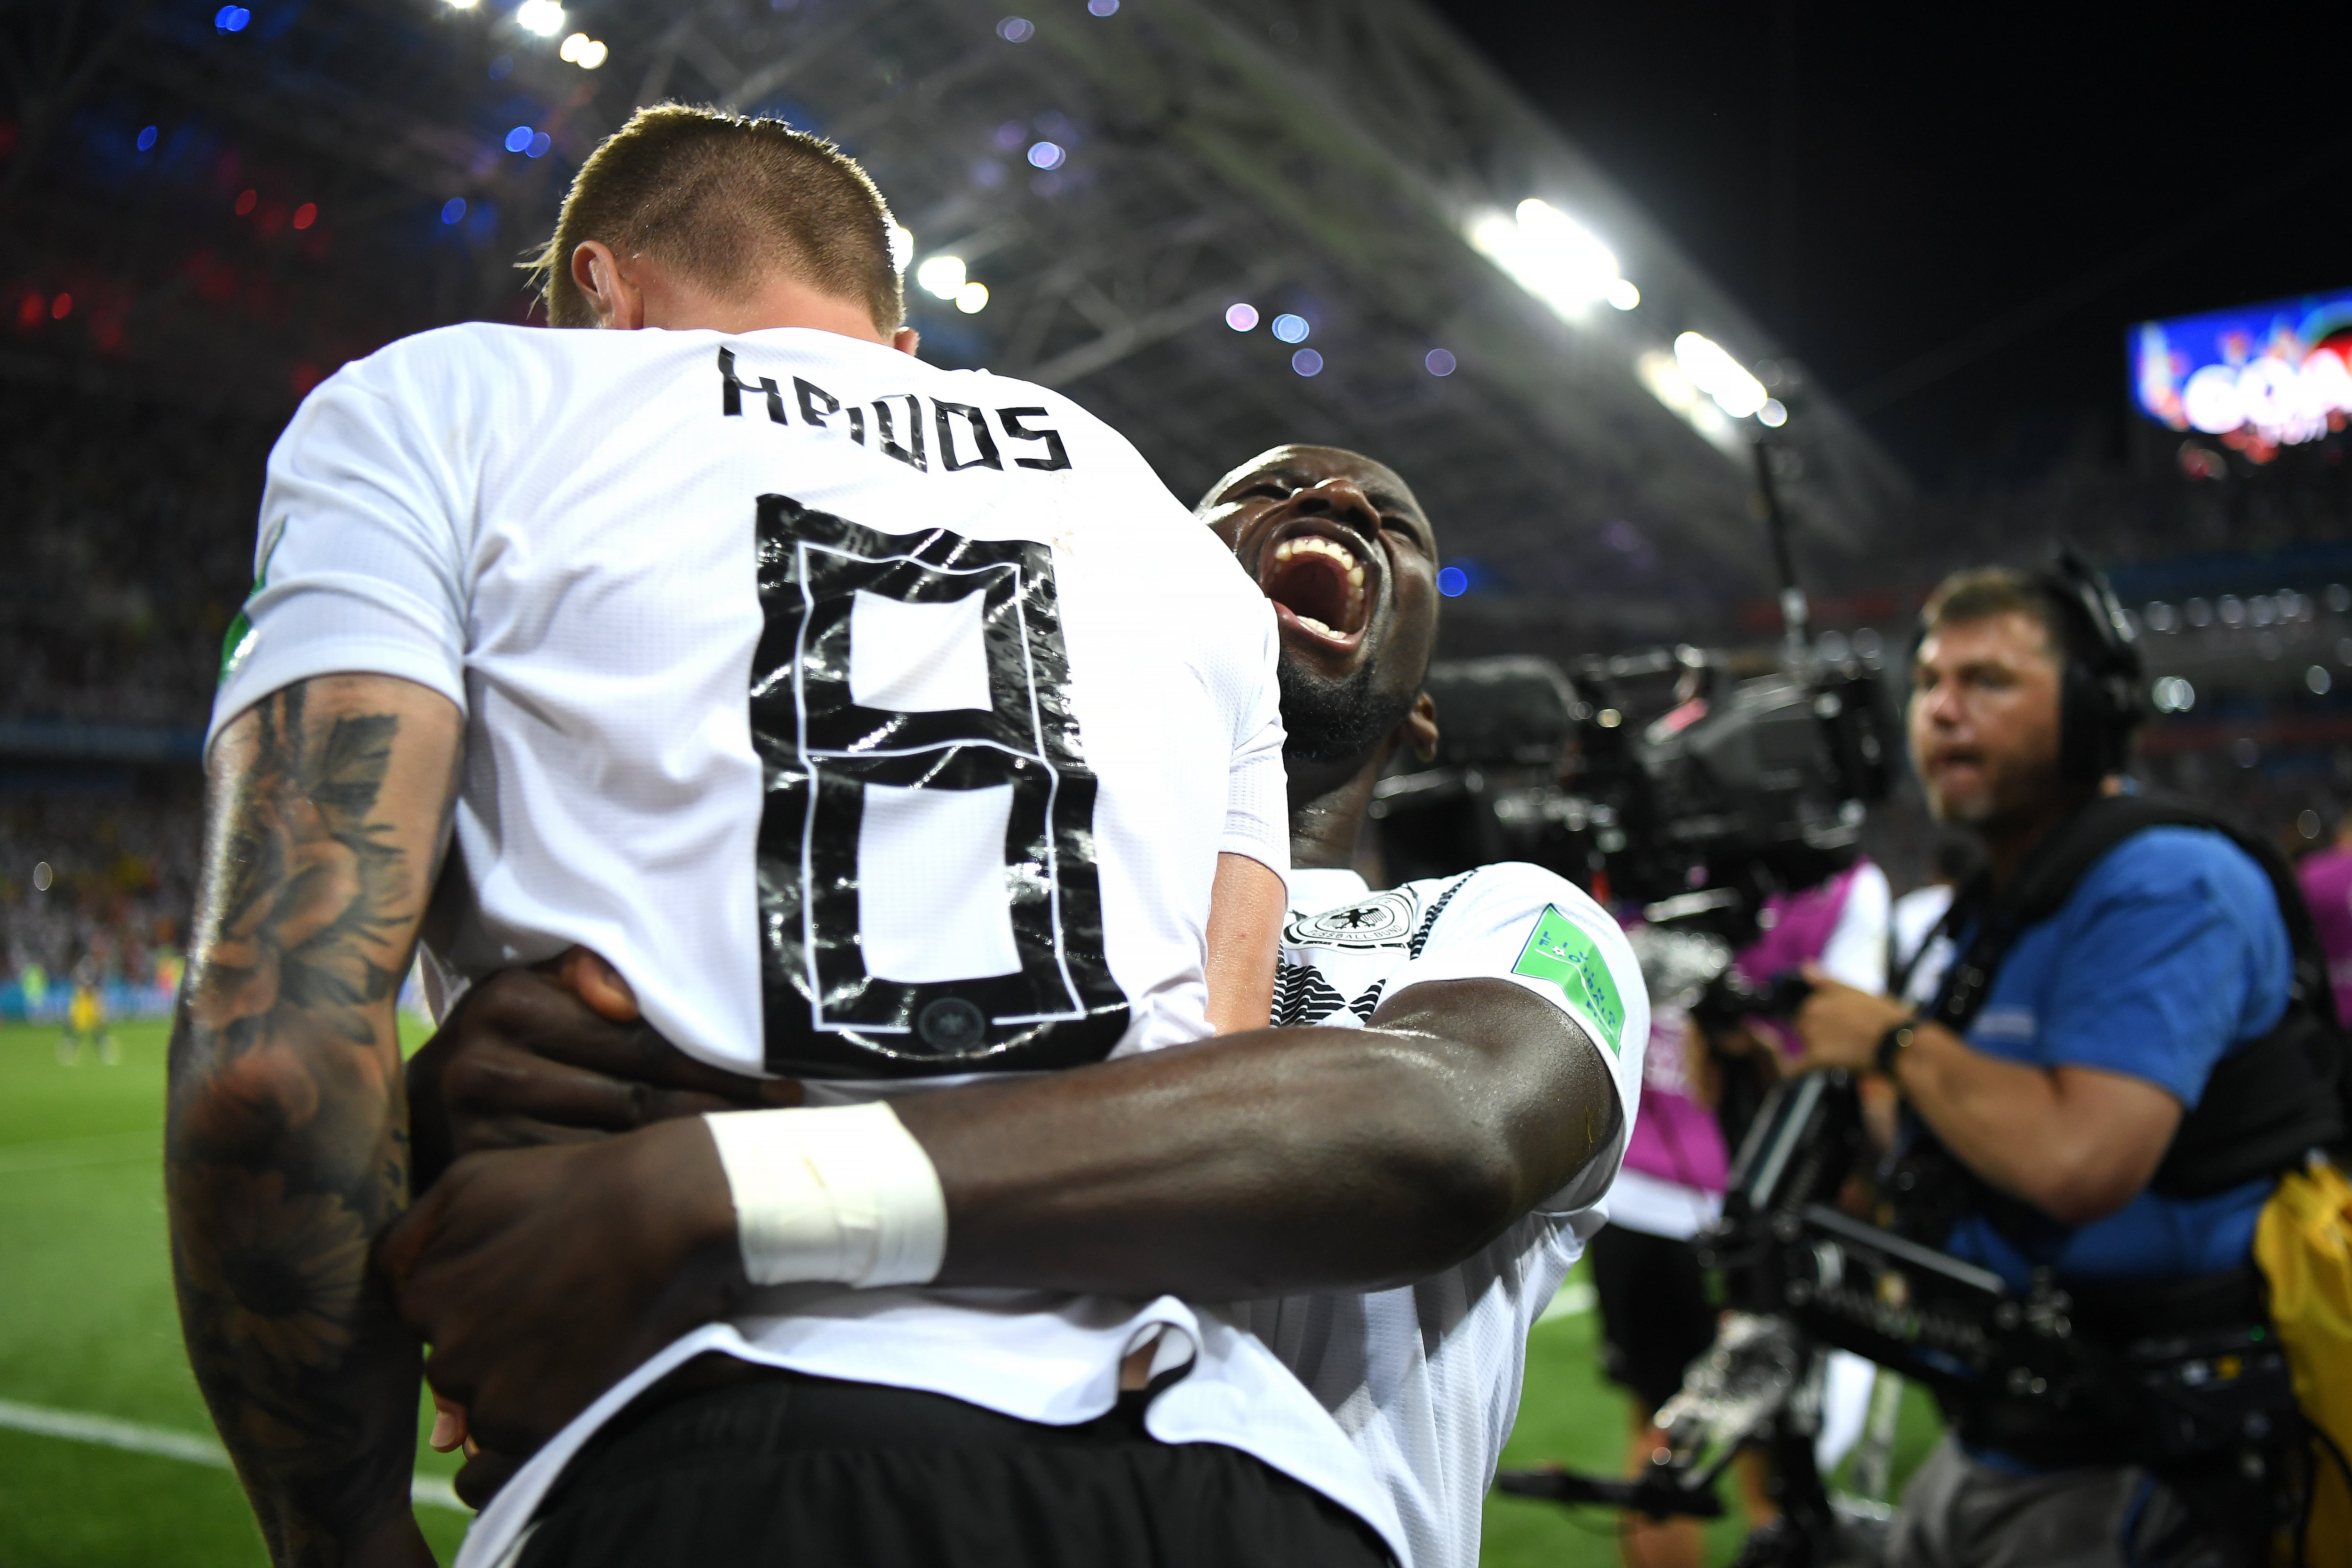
(1662, 777)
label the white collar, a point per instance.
(1314, 888)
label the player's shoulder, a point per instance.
(1510, 888)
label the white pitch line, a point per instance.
(190, 1448)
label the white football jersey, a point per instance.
(876, 720)
(1425, 1379)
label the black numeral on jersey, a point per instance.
(928, 894)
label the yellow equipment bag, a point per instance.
(2304, 1245)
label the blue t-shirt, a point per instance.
(2169, 954)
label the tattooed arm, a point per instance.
(287, 1144)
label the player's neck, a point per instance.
(1328, 812)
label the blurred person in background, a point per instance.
(2326, 877)
(85, 1020)
(2099, 1029)
(1697, 1096)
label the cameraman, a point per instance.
(2099, 1029)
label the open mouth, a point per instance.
(1319, 580)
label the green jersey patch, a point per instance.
(1558, 952)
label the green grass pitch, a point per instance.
(87, 1325)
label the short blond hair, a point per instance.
(721, 197)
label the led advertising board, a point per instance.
(2258, 376)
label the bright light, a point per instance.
(582, 51)
(971, 298)
(1046, 155)
(1016, 30)
(1290, 328)
(1241, 317)
(902, 247)
(1717, 374)
(2173, 695)
(538, 145)
(1774, 413)
(1659, 372)
(1307, 362)
(544, 17)
(461, 4)
(1554, 258)
(519, 139)
(231, 18)
(1438, 362)
(941, 277)
(1453, 582)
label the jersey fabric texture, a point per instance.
(740, 622)
(2169, 953)
(1425, 1379)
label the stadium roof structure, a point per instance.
(1117, 176)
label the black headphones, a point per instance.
(2099, 688)
(2099, 700)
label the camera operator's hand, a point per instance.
(557, 1055)
(1842, 1025)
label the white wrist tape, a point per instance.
(843, 1192)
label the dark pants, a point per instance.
(1655, 1318)
(806, 1473)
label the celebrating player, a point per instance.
(1417, 1169)
(877, 722)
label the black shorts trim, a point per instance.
(1655, 1314)
(799, 1472)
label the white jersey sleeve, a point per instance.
(359, 567)
(1535, 929)
(1258, 799)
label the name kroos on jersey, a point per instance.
(959, 437)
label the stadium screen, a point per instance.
(2258, 376)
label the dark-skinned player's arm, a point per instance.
(1277, 1161)
(286, 1147)
(1262, 1162)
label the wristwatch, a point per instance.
(1894, 1043)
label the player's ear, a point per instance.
(906, 340)
(616, 301)
(1420, 728)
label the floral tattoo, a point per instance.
(287, 1151)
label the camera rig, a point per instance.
(1663, 777)
(2211, 1409)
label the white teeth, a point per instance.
(1315, 544)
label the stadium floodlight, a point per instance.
(1552, 256)
(544, 17)
(941, 277)
(461, 4)
(902, 247)
(1713, 371)
(971, 298)
(582, 51)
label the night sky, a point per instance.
(1880, 185)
